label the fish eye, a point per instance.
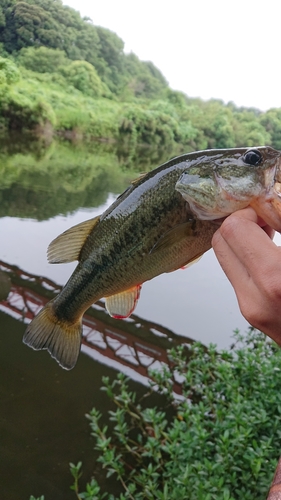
(252, 157)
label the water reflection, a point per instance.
(42, 422)
(42, 182)
(43, 189)
(133, 345)
(59, 183)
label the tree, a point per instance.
(83, 77)
(143, 79)
(9, 73)
(271, 121)
(249, 130)
(42, 59)
(50, 24)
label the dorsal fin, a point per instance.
(174, 235)
(67, 246)
(139, 178)
(121, 305)
(133, 182)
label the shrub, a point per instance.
(9, 73)
(42, 59)
(24, 112)
(139, 125)
(220, 440)
(83, 76)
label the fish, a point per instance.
(163, 221)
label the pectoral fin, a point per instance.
(121, 305)
(67, 246)
(174, 235)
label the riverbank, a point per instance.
(47, 105)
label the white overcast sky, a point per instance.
(208, 48)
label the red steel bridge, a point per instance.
(134, 343)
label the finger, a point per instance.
(249, 297)
(269, 231)
(249, 242)
(250, 216)
(230, 263)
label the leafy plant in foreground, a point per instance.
(219, 440)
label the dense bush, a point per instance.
(150, 126)
(72, 97)
(9, 72)
(271, 120)
(22, 111)
(222, 441)
(84, 77)
(42, 59)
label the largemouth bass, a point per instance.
(163, 221)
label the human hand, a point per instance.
(252, 263)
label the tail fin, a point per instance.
(60, 338)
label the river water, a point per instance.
(45, 190)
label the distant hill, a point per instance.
(59, 73)
(49, 23)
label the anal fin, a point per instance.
(121, 305)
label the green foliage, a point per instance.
(72, 97)
(111, 53)
(3, 52)
(149, 126)
(69, 65)
(84, 77)
(271, 121)
(45, 181)
(249, 129)
(144, 79)
(25, 112)
(178, 99)
(93, 489)
(50, 24)
(221, 439)
(42, 59)
(9, 73)
(44, 22)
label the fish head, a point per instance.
(216, 183)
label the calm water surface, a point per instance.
(42, 407)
